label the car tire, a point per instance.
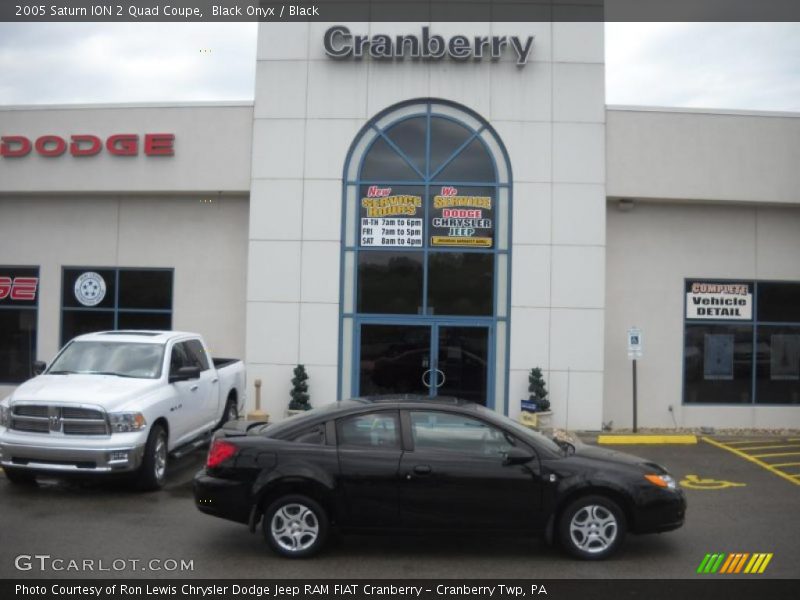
(231, 412)
(152, 472)
(19, 476)
(295, 526)
(592, 527)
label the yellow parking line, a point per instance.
(751, 442)
(775, 454)
(753, 459)
(786, 464)
(769, 447)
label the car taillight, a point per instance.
(219, 452)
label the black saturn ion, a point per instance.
(410, 464)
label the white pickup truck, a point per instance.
(118, 401)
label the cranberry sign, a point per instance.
(82, 145)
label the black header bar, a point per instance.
(706, 587)
(196, 11)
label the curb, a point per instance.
(646, 439)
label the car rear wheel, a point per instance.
(592, 527)
(153, 471)
(295, 526)
(19, 476)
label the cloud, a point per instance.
(45, 63)
(713, 65)
(752, 66)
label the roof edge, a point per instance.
(702, 111)
(127, 105)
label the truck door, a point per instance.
(189, 399)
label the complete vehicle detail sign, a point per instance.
(719, 300)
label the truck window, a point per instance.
(197, 354)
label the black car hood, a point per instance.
(585, 452)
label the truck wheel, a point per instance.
(592, 527)
(295, 526)
(19, 476)
(153, 470)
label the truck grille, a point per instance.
(67, 420)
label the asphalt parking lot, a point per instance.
(736, 505)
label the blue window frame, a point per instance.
(426, 233)
(107, 298)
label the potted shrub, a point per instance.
(536, 409)
(299, 393)
(538, 390)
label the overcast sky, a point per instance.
(709, 65)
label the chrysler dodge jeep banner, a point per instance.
(462, 217)
(391, 217)
(720, 301)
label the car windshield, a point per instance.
(122, 359)
(524, 432)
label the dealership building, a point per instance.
(433, 208)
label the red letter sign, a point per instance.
(123, 144)
(158, 144)
(57, 145)
(23, 143)
(85, 145)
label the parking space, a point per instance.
(735, 506)
(778, 455)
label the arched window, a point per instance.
(425, 259)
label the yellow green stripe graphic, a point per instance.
(735, 562)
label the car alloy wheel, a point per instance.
(592, 527)
(295, 526)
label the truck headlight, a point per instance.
(126, 421)
(4, 415)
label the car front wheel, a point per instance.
(592, 527)
(295, 526)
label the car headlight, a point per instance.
(4, 415)
(126, 421)
(664, 481)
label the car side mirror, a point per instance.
(517, 456)
(185, 374)
(39, 367)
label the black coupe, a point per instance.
(415, 464)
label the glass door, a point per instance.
(425, 359)
(461, 368)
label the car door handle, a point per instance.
(194, 388)
(215, 380)
(422, 470)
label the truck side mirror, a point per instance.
(185, 374)
(39, 367)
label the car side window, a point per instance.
(312, 435)
(371, 430)
(197, 354)
(453, 432)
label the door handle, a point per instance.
(440, 383)
(194, 388)
(426, 382)
(422, 470)
(215, 380)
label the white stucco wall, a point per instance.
(651, 250)
(714, 156)
(212, 149)
(188, 212)
(550, 115)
